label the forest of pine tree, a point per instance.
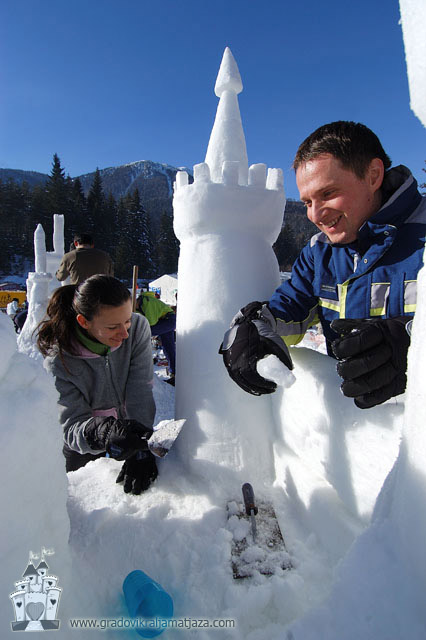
(121, 227)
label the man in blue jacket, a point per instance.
(357, 276)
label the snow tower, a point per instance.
(227, 221)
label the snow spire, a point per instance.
(40, 249)
(227, 142)
(58, 234)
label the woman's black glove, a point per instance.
(120, 438)
(252, 336)
(138, 472)
(372, 358)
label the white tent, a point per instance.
(167, 287)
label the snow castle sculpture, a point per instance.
(226, 221)
(36, 599)
(40, 282)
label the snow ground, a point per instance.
(177, 531)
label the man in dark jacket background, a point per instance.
(84, 261)
(357, 276)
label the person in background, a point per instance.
(84, 261)
(162, 320)
(12, 308)
(20, 317)
(357, 276)
(99, 353)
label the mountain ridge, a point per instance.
(154, 180)
(147, 168)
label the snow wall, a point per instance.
(34, 488)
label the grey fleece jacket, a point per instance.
(119, 384)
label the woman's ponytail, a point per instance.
(57, 330)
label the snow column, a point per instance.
(37, 294)
(408, 514)
(54, 257)
(226, 221)
(413, 21)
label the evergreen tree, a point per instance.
(134, 247)
(110, 224)
(15, 214)
(55, 199)
(167, 248)
(78, 194)
(8, 224)
(95, 207)
(56, 186)
(143, 248)
(123, 260)
(78, 212)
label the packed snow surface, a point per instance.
(327, 477)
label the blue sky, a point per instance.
(106, 82)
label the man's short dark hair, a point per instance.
(83, 238)
(352, 143)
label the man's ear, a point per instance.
(376, 173)
(82, 321)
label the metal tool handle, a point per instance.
(248, 495)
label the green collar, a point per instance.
(93, 345)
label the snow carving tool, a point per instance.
(164, 436)
(251, 509)
(257, 545)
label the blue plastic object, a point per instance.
(145, 598)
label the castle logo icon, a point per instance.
(36, 598)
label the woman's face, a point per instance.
(110, 325)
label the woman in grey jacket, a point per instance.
(99, 353)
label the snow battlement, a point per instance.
(258, 176)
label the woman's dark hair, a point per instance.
(57, 330)
(352, 143)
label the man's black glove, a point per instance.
(138, 472)
(120, 438)
(252, 336)
(372, 358)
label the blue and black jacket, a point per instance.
(375, 276)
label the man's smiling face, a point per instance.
(338, 202)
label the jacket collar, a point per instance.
(400, 196)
